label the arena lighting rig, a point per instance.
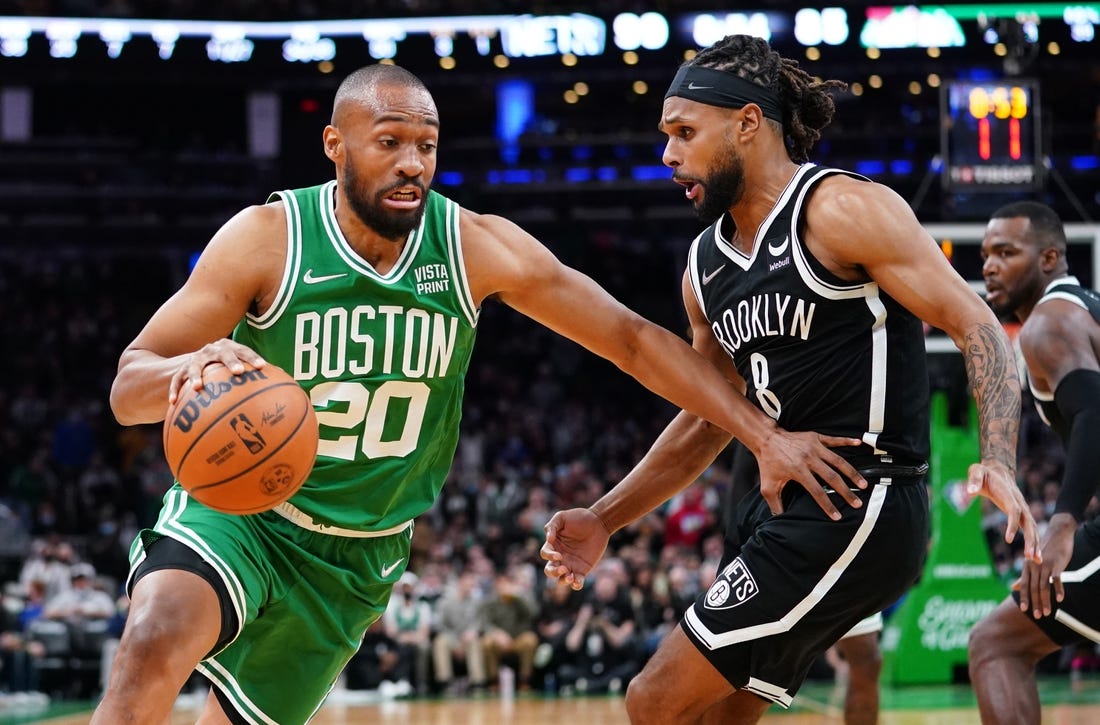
(529, 35)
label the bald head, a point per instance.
(365, 87)
(1045, 228)
(382, 139)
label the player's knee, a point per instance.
(156, 647)
(649, 702)
(866, 669)
(987, 640)
(642, 704)
(146, 643)
(866, 661)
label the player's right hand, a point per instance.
(807, 459)
(996, 482)
(1037, 578)
(575, 541)
(233, 355)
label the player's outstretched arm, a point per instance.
(576, 538)
(868, 227)
(232, 275)
(503, 260)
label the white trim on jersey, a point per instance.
(693, 273)
(1043, 395)
(1077, 625)
(714, 640)
(290, 268)
(876, 415)
(732, 253)
(735, 255)
(869, 291)
(1068, 279)
(458, 263)
(352, 258)
(1063, 296)
(826, 289)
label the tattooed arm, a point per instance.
(996, 384)
(859, 229)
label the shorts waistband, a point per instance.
(300, 518)
(895, 474)
(889, 475)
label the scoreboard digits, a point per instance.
(990, 139)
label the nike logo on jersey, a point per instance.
(310, 279)
(708, 277)
(776, 251)
(387, 570)
(693, 87)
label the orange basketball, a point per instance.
(244, 443)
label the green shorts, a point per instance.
(302, 600)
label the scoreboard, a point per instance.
(990, 137)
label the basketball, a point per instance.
(243, 443)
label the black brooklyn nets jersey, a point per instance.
(816, 352)
(1070, 289)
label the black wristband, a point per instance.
(1078, 400)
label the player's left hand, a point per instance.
(808, 459)
(996, 482)
(1036, 580)
(225, 351)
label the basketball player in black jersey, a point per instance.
(808, 290)
(1055, 603)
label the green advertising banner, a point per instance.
(924, 641)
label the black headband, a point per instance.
(719, 88)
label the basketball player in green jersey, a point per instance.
(367, 291)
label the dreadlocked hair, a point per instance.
(807, 105)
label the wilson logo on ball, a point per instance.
(193, 408)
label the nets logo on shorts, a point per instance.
(733, 586)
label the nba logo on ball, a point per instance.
(247, 432)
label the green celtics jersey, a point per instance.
(382, 356)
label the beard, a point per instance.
(1017, 297)
(1026, 289)
(388, 223)
(723, 187)
(1003, 309)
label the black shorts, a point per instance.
(1077, 617)
(164, 552)
(791, 585)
